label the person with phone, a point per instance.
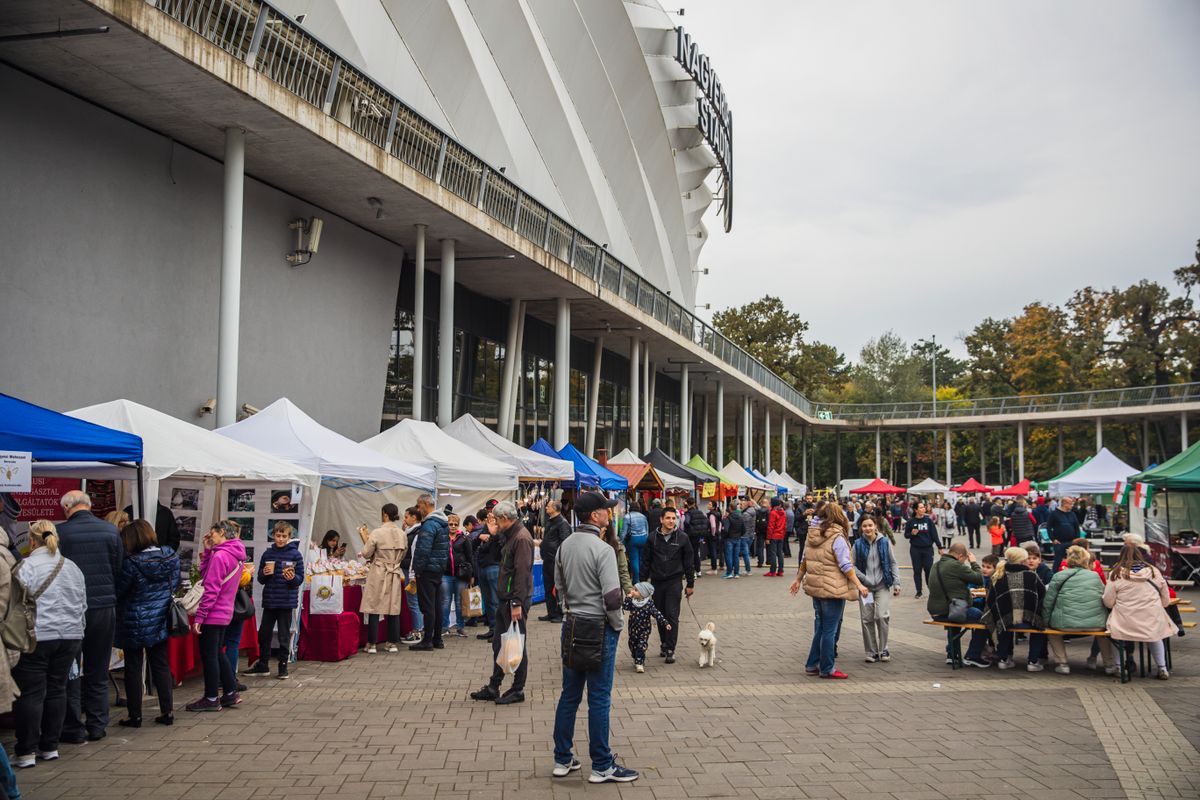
(220, 571)
(281, 573)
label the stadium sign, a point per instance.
(714, 119)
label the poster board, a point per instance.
(40, 502)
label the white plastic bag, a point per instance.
(326, 594)
(512, 649)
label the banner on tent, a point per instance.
(40, 502)
(16, 472)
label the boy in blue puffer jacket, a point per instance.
(281, 572)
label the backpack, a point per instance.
(17, 631)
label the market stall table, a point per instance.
(334, 637)
(183, 652)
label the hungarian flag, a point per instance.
(1142, 492)
(1120, 492)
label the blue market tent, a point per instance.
(589, 473)
(583, 479)
(755, 473)
(52, 436)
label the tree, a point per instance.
(887, 371)
(989, 362)
(1152, 332)
(949, 368)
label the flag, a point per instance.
(1142, 492)
(1119, 493)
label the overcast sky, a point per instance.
(924, 164)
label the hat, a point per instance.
(644, 588)
(588, 502)
(490, 503)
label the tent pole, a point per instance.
(141, 493)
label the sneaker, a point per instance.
(1163, 674)
(230, 700)
(1091, 662)
(1062, 669)
(614, 774)
(371, 650)
(950, 661)
(919, 595)
(241, 687)
(461, 633)
(488, 693)
(47, 755)
(392, 647)
(885, 656)
(727, 576)
(639, 668)
(283, 674)
(871, 659)
(415, 637)
(735, 577)
(259, 668)
(563, 770)
(973, 662)
(1113, 670)
(836, 675)
(1006, 664)
(24, 762)
(1033, 666)
(487, 635)
(670, 656)
(204, 704)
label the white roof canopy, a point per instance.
(1097, 476)
(670, 481)
(457, 465)
(734, 473)
(284, 430)
(530, 466)
(800, 487)
(785, 480)
(928, 486)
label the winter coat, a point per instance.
(514, 585)
(823, 578)
(1021, 525)
(697, 524)
(1138, 602)
(95, 547)
(1015, 601)
(735, 525)
(278, 591)
(555, 533)
(1075, 601)
(433, 545)
(459, 565)
(777, 524)
(144, 590)
(668, 558)
(384, 550)
(62, 607)
(8, 688)
(950, 579)
(216, 565)
(637, 528)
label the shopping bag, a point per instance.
(471, 602)
(512, 649)
(326, 595)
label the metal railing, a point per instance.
(1094, 400)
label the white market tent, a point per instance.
(284, 430)
(670, 481)
(928, 486)
(1097, 476)
(457, 467)
(786, 481)
(735, 474)
(530, 466)
(801, 488)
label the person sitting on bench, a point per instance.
(950, 579)
(1014, 601)
(1075, 601)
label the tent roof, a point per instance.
(608, 479)
(530, 465)
(581, 479)
(52, 436)
(284, 430)
(1018, 489)
(1180, 472)
(640, 476)
(457, 465)
(735, 473)
(972, 486)
(878, 486)
(928, 486)
(1097, 476)
(1042, 486)
(698, 464)
(669, 481)
(174, 447)
(664, 463)
(788, 480)
(756, 474)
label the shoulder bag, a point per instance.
(20, 623)
(191, 599)
(582, 642)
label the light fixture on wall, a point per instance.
(249, 410)
(208, 407)
(703, 271)
(310, 228)
(377, 204)
(705, 306)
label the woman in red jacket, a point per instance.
(776, 532)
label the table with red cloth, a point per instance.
(183, 652)
(333, 637)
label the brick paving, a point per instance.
(753, 727)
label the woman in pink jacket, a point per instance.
(1137, 594)
(220, 571)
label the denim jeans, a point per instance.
(8, 781)
(732, 548)
(633, 553)
(827, 625)
(452, 596)
(745, 545)
(487, 587)
(978, 638)
(233, 643)
(599, 691)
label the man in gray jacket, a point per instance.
(590, 587)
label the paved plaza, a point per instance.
(754, 727)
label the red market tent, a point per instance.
(878, 486)
(972, 486)
(1020, 489)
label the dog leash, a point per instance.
(693, 613)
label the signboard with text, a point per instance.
(16, 471)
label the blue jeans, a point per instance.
(978, 638)
(732, 548)
(452, 596)
(7, 779)
(745, 551)
(634, 554)
(414, 611)
(487, 587)
(233, 641)
(599, 691)
(825, 632)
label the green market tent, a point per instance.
(1042, 486)
(1180, 472)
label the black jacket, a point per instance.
(165, 529)
(1021, 525)
(461, 562)
(667, 558)
(95, 547)
(760, 521)
(735, 525)
(487, 554)
(553, 535)
(971, 514)
(697, 523)
(921, 532)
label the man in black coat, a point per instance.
(556, 532)
(697, 530)
(972, 517)
(95, 547)
(666, 560)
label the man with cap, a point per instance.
(589, 587)
(666, 559)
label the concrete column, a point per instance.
(651, 438)
(704, 431)
(594, 398)
(647, 401)
(511, 356)
(1145, 443)
(949, 479)
(685, 415)
(878, 455)
(445, 406)
(749, 432)
(1183, 431)
(765, 467)
(804, 455)
(934, 454)
(418, 380)
(837, 449)
(635, 370)
(562, 373)
(1020, 451)
(720, 424)
(230, 304)
(1099, 434)
(982, 459)
(908, 457)
(783, 444)
(1060, 450)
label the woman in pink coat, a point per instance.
(1137, 594)
(220, 571)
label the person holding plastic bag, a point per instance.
(514, 591)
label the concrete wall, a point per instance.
(110, 264)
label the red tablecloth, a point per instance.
(333, 637)
(183, 652)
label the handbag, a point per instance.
(177, 619)
(20, 622)
(471, 602)
(243, 605)
(582, 642)
(958, 606)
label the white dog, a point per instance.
(708, 646)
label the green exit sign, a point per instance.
(824, 415)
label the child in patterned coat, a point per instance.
(640, 614)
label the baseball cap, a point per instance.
(588, 502)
